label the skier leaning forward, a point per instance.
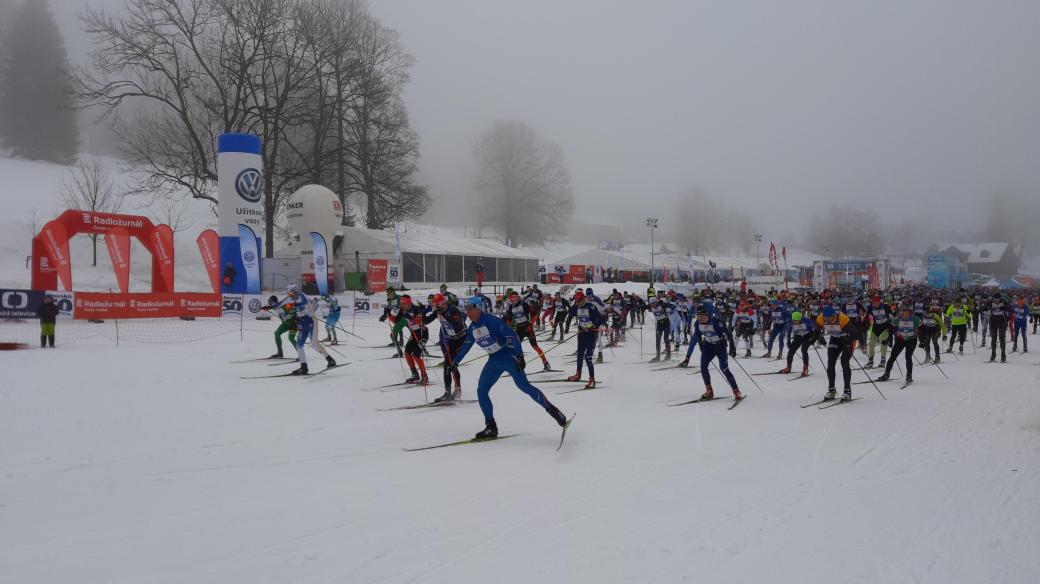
(713, 338)
(504, 356)
(305, 318)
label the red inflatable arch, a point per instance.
(50, 248)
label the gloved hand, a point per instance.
(521, 364)
(684, 363)
(733, 352)
(382, 318)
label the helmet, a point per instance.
(828, 311)
(796, 315)
(406, 299)
(475, 302)
(579, 295)
(588, 290)
(702, 309)
(444, 287)
(293, 288)
(438, 299)
(272, 299)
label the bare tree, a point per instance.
(89, 187)
(171, 211)
(385, 150)
(524, 183)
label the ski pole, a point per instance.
(868, 375)
(745, 373)
(339, 328)
(941, 371)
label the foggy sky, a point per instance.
(915, 108)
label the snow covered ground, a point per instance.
(155, 463)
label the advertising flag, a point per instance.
(209, 248)
(250, 258)
(321, 263)
(118, 243)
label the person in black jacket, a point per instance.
(48, 313)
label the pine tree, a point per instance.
(36, 116)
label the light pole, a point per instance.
(651, 222)
(758, 251)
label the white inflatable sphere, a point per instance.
(314, 208)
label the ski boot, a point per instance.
(909, 378)
(805, 372)
(330, 361)
(936, 360)
(414, 378)
(846, 395)
(277, 355)
(425, 380)
(599, 358)
(546, 366)
(950, 350)
(684, 363)
(556, 414)
(884, 377)
(574, 378)
(768, 355)
(656, 359)
(447, 397)
(830, 394)
(457, 394)
(708, 393)
(747, 353)
(1014, 348)
(302, 370)
(591, 384)
(779, 355)
(737, 395)
(1003, 358)
(668, 356)
(883, 362)
(785, 370)
(490, 431)
(870, 364)
(962, 350)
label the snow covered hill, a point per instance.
(160, 464)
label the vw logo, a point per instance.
(249, 257)
(254, 306)
(320, 261)
(248, 185)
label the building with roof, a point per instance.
(428, 255)
(998, 259)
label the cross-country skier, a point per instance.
(778, 327)
(803, 335)
(840, 345)
(959, 315)
(563, 307)
(288, 325)
(745, 321)
(713, 338)
(931, 327)
(306, 317)
(331, 319)
(452, 335)
(1020, 313)
(519, 315)
(662, 308)
(504, 356)
(393, 304)
(907, 327)
(879, 318)
(589, 320)
(999, 313)
(412, 318)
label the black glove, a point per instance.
(733, 352)
(382, 318)
(521, 364)
(684, 363)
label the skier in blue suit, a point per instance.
(505, 355)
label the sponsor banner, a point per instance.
(19, 303)
(363, 305)
(209, 249)
(240, 183)
(376, 276)
(847, 266)
(553, 279)
(65, 303)
(393, 272)
(233, 305)
(55, 239)
(162, 256)
(146, 305)
(117, 242)
(321, 262)
(247, 245)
